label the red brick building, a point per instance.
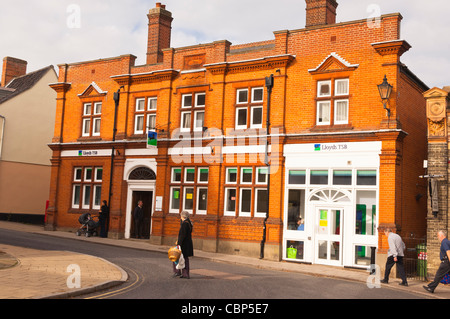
(338, 160)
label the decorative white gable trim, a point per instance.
(339, 58)
(96, 87)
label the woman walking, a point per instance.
(185, 242)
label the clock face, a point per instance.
(437, 108)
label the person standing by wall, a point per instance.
(444, 267)
(185, 242)
(395, 256)
(138, 218)
(103, 217)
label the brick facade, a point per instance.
(232, 132)
(437, 170)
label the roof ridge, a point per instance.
(29, 74)
(25, 82)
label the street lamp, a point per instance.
(385, 90)
(269, 86)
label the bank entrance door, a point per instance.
(147, 200)
(328, 239)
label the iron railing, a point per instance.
(415, 260)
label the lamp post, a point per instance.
(113, 151)
(269, 86)
(385, 90)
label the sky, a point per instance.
(52, 32)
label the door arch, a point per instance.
(330, 196)
(141, 181)
(142, 174)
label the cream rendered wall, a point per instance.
(25, 161)
(29, 124)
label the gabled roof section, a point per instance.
(436, 92)
(93, 86)
(5, 92)
(23, 83)
(333, 63)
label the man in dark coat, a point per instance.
(444, 267)
(185, 242)
(103, 217)
(138, 215)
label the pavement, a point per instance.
(23, 271)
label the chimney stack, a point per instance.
(159, 32)
(12, 68)
(320, 12)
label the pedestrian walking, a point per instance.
(138, 215)
(395, 257)
(186, 244)
(444, 267)
(103, 217)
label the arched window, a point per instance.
(142, 174)
(330, 196)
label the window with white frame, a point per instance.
(91, 119)
(244, 186)
(145, 115)
(261, 175)
(260, 202)
(175, 199)
(245, 200)
(230, 202)
(202, 200)
(323, 113)
(246, 175)
(241, 117)
(87, 187)
(189, 190)
(193, 112)
(176, 175)
(188, 199)
(189, 175)
(333, 102)
(249, 108)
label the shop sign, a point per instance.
(87, 153)
(330, 147)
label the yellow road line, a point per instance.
(119, 291)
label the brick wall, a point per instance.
(219, 69)
(437, 120)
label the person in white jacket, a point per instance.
(395, 256)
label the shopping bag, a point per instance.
(446, 279)
(181, 263)
(174, 253)
(292, 252)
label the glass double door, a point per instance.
(328, 239)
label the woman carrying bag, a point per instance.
(185, 242)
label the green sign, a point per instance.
(152, 139)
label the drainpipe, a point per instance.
(116, 106)
(269, 85)
(3, 134)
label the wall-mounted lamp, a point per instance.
(385, 90)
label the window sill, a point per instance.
(137, 136)
(332, 128)
(89, 139)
